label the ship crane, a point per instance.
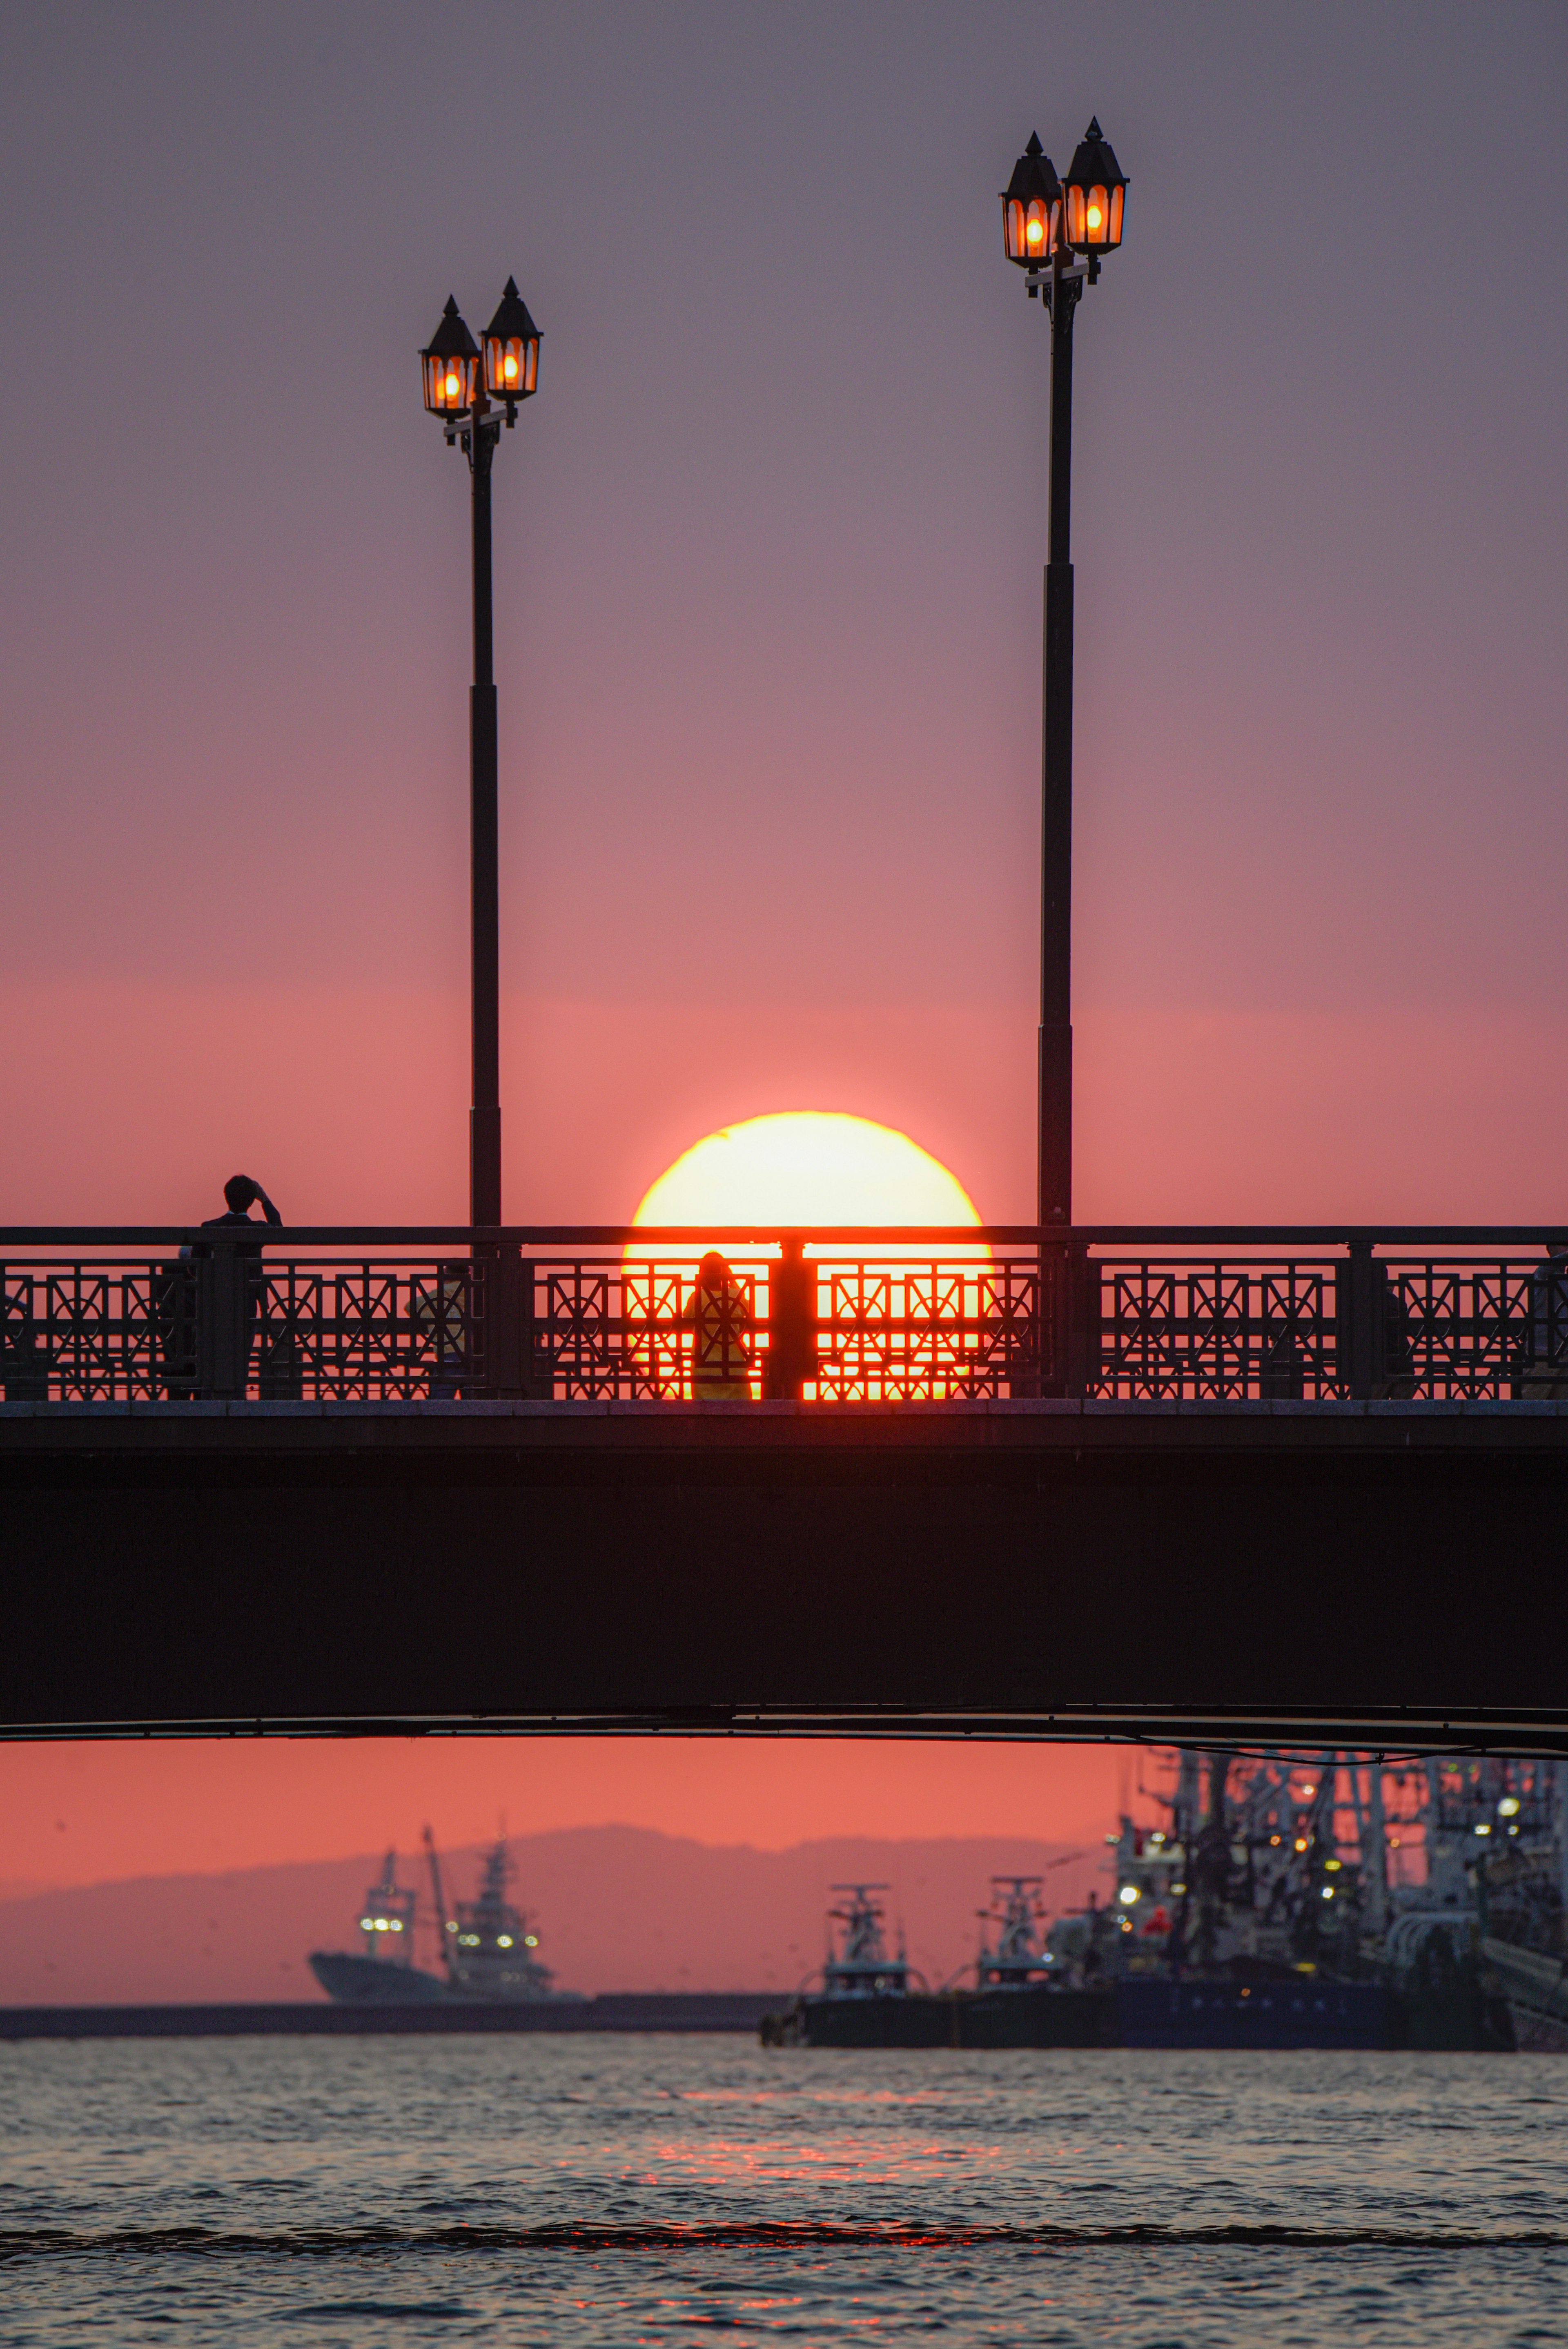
(443, 1928)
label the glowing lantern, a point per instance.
(512, 350)
(1095, 193)
(1032, 208)
(451, 366)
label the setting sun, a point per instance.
(804, 1167)
(790, 1171)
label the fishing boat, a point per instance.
(1266, 1912)
(861, 1997)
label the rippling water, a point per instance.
(658, 2191)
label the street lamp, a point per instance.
(1096, 197)
(1032, 207)
(462, 386)
(1045, 224)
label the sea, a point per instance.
(662, 2190)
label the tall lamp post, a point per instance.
(464, 386)
(1057, 232)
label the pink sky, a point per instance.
(768, 549)
(82, 1814)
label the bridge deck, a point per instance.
(1378, 1573)
(780, 1429)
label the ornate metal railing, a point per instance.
(853, 1315)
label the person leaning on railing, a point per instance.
(720, 1316)
(280, 1378)
(242, 1192)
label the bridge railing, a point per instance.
(594, 1314)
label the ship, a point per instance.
(1331, 1901)
(860, 1965)
(383, 1973)
(1518, 1823)
(1020, 1960)
(862, 1997)
(485, 1949)
(1265, 1911)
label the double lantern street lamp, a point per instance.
(1057, 232)
(466, 384)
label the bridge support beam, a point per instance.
(1370, 1575)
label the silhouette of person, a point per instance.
(241, 1191)
(241, 1194)
(720, 1316)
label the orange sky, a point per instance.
(767, 644)
(78, 1814)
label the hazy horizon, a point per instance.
(616, 1908)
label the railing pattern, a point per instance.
(890, 1321)
(1423, 1330)
(878, 1330)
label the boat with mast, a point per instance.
(488, 1945)
(1018, 1960)
(1332, 1898)
(859, 1966)
(382, 1972)
(485, 1948)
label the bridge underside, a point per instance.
(1378, 1575)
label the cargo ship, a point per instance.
(486, 1947)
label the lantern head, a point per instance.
(1032, 208)
(1096, 192)
(512, 350)
(451, 365)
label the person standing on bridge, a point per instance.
(719, 1311)
(280, 1383)
(173, 1296)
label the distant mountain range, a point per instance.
(616, 1909)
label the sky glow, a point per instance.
(768, 550)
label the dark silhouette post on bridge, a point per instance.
(454, 391)
(791, 1358)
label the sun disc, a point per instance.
(801, 1168)
(788, 1173)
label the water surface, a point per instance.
(660, 2190)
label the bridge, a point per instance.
(1283, 1486)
